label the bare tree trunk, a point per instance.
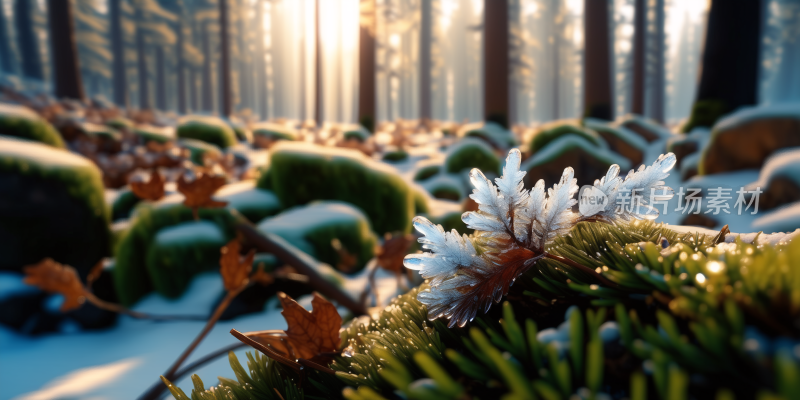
(27, 40)
(66, 73)
(654, 107)
(318, 70)
(144, 90)
(495, 68)
(225, 60)
(426, 27)
(597, 73)
(261, 85)
(118, 77)
(729, 77)
(639, 56)
(207, 84)
(161, 82)
(193, 92)
(181, 68)
(555, 24)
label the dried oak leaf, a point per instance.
(310, 335)
(390, 255)
(152, 189)
(262, 277)
(235, 271)
(53, 277)
(197, 193)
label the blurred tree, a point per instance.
(225, 60)
(119, 77)
(7, 55)
(366, 63)
(597, 70)
(28, 43)
(729, 77)
(495, 55)
(66, 73)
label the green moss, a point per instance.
(207, 129)
(274, 131)
(179, 252)
(101, 132)
(253, 203)
(358, 133)
(420, 203)
(133, 277)
(22, 122)
(447, 191)
(123, 205)
(242, 133)
(556, 130)
(705, 113)
(395, 156)
(154, 134)
(471, 153)
(300, 173)
(312, 228)
(120, 123)
(427, 172)
(199, 150)
(54, 206)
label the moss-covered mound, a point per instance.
(243, 134)
(177, 253)
(620, 140)
(253, 203)
(395, 156)
(300, 173)
(491, 133)
(646, 128)
(687, 319)
(745, 138)
(123, 205)
(586, 158)
(51, 205)
(471, 153)
(20, 121)
(136, 271)
(274, 131)
(446, 186)
(149, 133)
(120, 123)
(312, 228)
(201, 153)
(426, 172)
(557, 129)
(209, 129)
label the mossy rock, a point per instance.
(274, 131)
(646, 128)
(747, 137)
(133, 277)
(471, 153)
(243, 134)
(620, 140)
(208, 129)
(587, 160)
(395, 156)
(556, 129)
(253, 203)
(149, 133)
(22, 122)
(426, 172)
(201, 153)
(446, 186)
(300, 173)
(312, 228)
(51, 205)
(491, 133)
(179, 252)
(361, 134)
(123, 205)
(120, 123)
(420, 203)
(705, 113)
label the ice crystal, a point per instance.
(512, 228)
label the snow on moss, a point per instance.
(566, 143)
(21, 121)
(748, 114)
(785, 163)
(784, 219)
(187, 233)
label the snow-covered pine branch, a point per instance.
(514, 226)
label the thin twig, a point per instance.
(583, 268)
(199, 363)
(155, 392)
(117, 308)
(267, 351)
(302, 263)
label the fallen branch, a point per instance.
(302, 263)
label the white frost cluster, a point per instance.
(510, 218)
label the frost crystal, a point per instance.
(512, 228)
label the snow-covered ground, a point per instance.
(124, 361)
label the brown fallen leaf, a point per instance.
(395, 248)
(152, 189)
(197, 193)
(53, 277)
(347, 261)
(311, 336)
(235, 271)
